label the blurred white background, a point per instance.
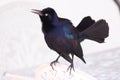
(22, 42)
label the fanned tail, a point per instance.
(85, 23)
(96, 31)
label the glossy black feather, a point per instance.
(85, 23)
(62, 37)
(98, 31)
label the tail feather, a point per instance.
(98, 31)
(85, 23)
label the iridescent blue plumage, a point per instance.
(62, 37)
(68, 33)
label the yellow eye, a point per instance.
(46, 14)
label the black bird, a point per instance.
(62, 37)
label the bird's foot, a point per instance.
(70, 68)
(53, 63)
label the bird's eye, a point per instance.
(46, 14)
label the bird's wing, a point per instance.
(76, 49)
(79, 52)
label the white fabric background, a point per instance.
(21, 40)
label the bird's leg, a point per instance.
(67, 57)
(72, 65)
(54, 62)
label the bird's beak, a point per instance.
(37, 12)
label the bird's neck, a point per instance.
(50, 26)
(47, 28)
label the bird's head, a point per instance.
(47, 15)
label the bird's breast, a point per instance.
(57, 43)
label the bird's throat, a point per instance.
(47, 28)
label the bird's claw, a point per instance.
(53, 63)
(70, 68)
